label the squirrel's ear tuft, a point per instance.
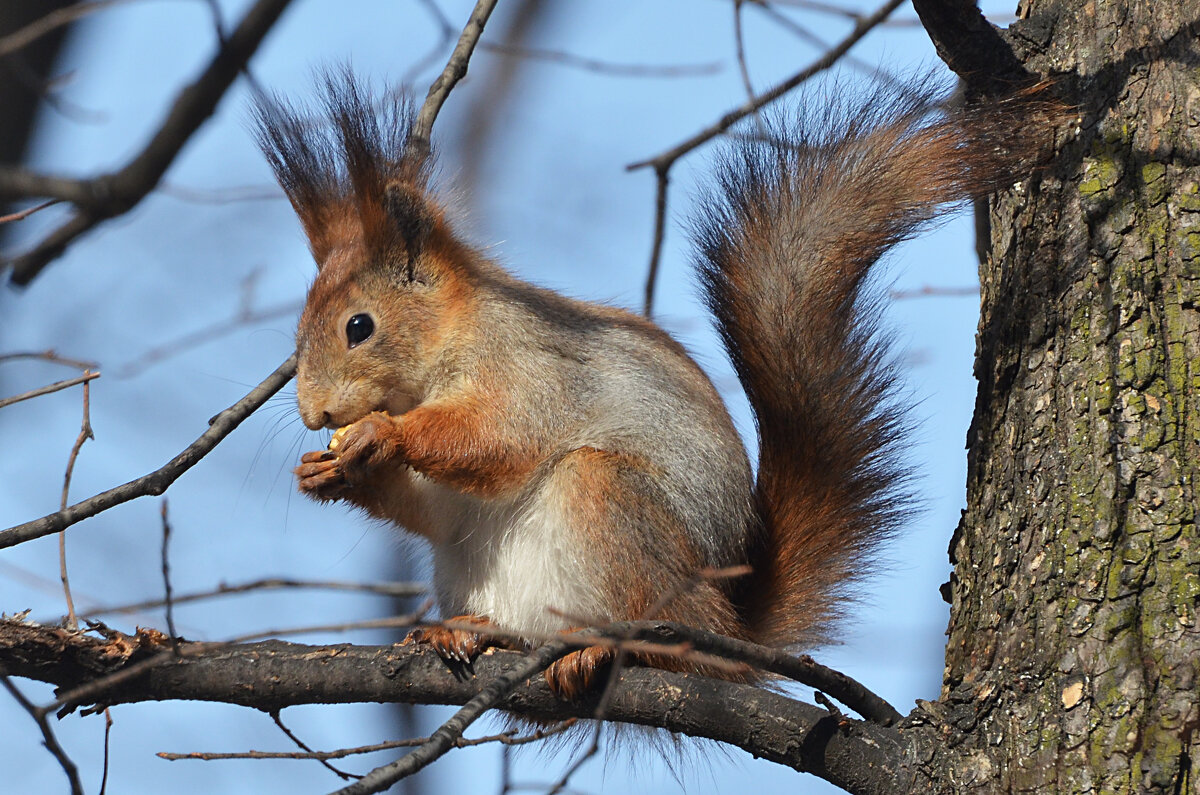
(339, 165)
(412, 217)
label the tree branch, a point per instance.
(859, 757)
(972, 47)
(113, 194)
(157, 481)
(456, 69)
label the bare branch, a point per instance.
(207, 334)
(861, 757)
(57, 386)
(456, 69)
(304, 747)
(972, 47)
(930, 291)
(662, 180)
(21, 215)
(85, 433)
(166, 575)
(114, 194)
(49, 356)
(662, 163)
(508, 738)
(108, 722)
(157, 481)
(392, 589)
(834, 10)
(388, 622)
(599, 66)
(799, 31)
(48, 738)
(229, 195)
(864, 26)
(20, 39)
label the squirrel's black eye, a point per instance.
(358, 329)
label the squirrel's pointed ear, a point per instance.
(409, 211)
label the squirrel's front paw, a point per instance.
(366, 443)
(353, 451)
(320, 475)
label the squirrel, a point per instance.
(568, 461)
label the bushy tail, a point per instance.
(785, 244)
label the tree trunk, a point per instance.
(1073, 649)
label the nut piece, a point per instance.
(336, 440)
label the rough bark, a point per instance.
(1073, 648)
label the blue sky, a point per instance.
(554, 203)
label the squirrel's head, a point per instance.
(390, 275)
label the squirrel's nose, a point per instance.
(314, 420)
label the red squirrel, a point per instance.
(568, 461)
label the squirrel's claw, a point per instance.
(320, 477)
(459, 646)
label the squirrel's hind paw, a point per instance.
(576, 673)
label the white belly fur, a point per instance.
(509, 560)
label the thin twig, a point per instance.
(929, 291)
(229, 195)
(49, 356)
(48, 389)
(802, 669)
(207, 334)
(826, 61)
(19, 39)
(108, 722)
(662, 163)
(392, 589)
(446, 31)
(783, 20)
(390, 622)
(309, 752)
(455, 70)
(836, 10)
(508, 739)
(48, 738)
(156, 482)
(166, 574)
(739, 43)
(21, 215)
(662, 179)
(443, 739)
(601, 67)
(85, 433)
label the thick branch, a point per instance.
(972, 47)
(859, 757)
